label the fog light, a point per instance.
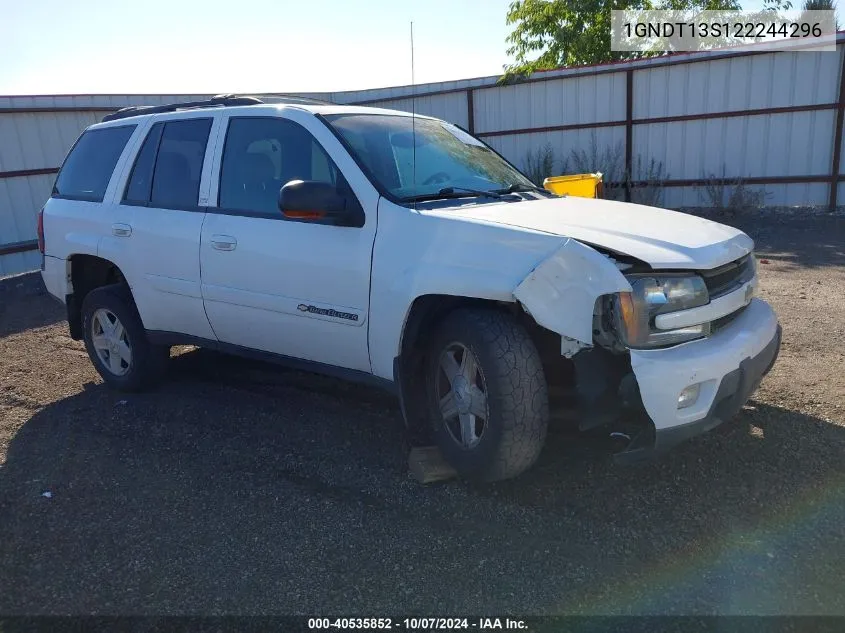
(689, 396)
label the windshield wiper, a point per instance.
(476, 192)
(453, 192)
(517, 187)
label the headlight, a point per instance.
(634, 312)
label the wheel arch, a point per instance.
(497, 336)
(424, 315)
(426, 311)
(87, 272)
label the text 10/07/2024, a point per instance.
(419, 624)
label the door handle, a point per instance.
(223, 242)
(121, 230)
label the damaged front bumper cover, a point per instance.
(733, 392)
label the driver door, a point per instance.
(291, 286)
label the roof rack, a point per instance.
(293, 99)
(215, 102)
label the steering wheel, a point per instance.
(440, 176)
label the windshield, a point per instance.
(414, 158)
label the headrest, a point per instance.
(257, 168)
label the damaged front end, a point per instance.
(569, 294)
(632, 335)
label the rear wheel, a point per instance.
(488, 398)
(116, 341)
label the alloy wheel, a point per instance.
(111, 342)
(462, 395)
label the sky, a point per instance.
(212, 46)
(243, 46)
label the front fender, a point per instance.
(561, 292)
(417, 254)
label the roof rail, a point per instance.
(273, 97)
(216, 101)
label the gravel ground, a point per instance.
(239, 488)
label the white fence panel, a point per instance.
(40, 140)
(451, 106)
(398, 92)
(17, 263)
(774, 80)
(776, 195)
(20, 200)
(791, 144)
(516, 147)
(91, 101)
(589, 99)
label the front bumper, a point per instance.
(728, 366)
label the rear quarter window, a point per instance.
(88, 167)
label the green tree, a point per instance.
(821, 5)
(777, 5)
(552, 33)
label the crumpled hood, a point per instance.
(659, 237)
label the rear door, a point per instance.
(292, 286)
(78, 215)
(158, 221)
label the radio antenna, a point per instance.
(413, 121)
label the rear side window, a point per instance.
(176, 179)
(88, 168)
(263, 154)
(168, 168)
(141, 179)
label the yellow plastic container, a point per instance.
(580, 185)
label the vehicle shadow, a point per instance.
(25, 304)
(243, 488)
(758, 502)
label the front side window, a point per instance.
(417, 158)
(88, 168)
(260, 156)
(178, 164)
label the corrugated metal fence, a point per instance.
(35, 134)
(773, 119)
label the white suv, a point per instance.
(402, 251)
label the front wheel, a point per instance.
(488, 398)
(116, 341)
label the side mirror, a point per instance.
(314, 200)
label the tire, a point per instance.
(510, 375)
(144, 365)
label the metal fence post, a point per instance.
(629, 131)
(837, 138)
(470, 112)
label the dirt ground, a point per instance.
(241, 488)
